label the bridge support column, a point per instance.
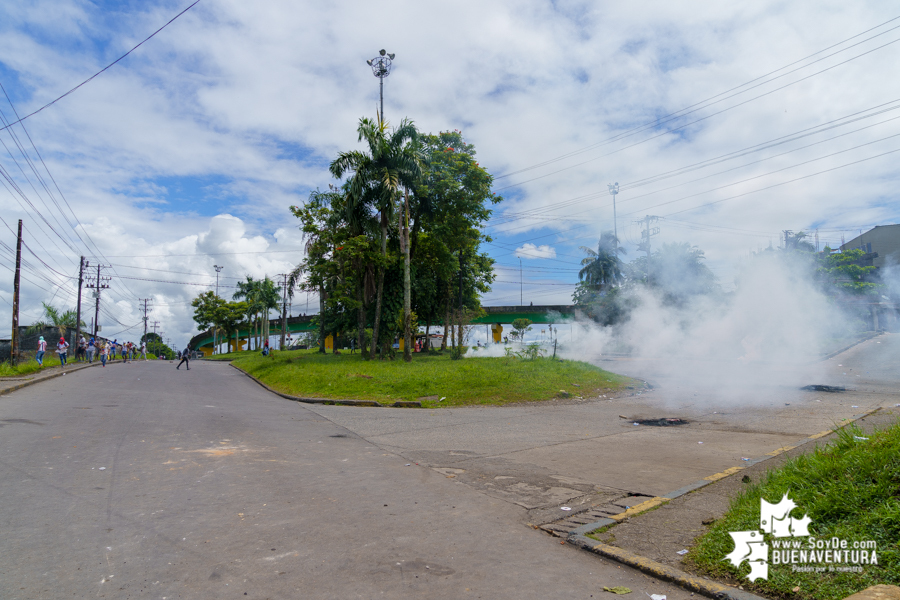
(497, 330)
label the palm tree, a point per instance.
(53, 317)
(602, 269)
(393, 161)
(249, 291)
(268, 296)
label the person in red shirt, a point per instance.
(61, 349)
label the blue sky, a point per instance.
(189, 152)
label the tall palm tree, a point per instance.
(249, 291)
(393, 161)
(268, 297)
(602, 269)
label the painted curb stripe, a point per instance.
(578, 537)
(664, 572)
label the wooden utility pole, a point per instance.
(283, 309)
(14, 346)
(81, 267)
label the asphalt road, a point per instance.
(542, 456)
(140, 481)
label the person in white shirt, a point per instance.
(42, 347)
(144, 350)
(61, 349)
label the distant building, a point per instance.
(882, 243)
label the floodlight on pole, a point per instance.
(613, 190)
(215, 327)
(381, 68)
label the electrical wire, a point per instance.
(103, 69)
(697, 106)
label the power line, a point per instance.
(101, 70)
(700, 119)
(697, 106)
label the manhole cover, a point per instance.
(665, 422)
(823, 388)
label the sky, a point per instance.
(729, 122)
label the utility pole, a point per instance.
(521, 295)
(81, 266)
(14, 347)
(645, 238)
(99, 283)
(215, 327)
(145, 309)
(284, 295)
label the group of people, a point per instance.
(87, 350)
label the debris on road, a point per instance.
(745, 458)
(823, 388)
(102, 468)
(658, 596)
(619, 589)
(663, 422)
(565, 508)
(682, 552)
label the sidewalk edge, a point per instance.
(706, 587)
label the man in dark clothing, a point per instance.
(185, 358)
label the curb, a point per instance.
(578, 536)
(664, 572)
(868, 337)
(370, 403)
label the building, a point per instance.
(883, 242)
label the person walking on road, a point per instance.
(42, 347)
(144, 349)
(91, 348)
(104, 353)
(61, 348)
(124, 352)
(81, 350)
(185, 358)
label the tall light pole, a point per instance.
(521, 301)
(381, 68)
(215, 327)
(613, 190)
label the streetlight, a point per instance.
(614, 189)
(381, 68)
(215, 328)
(521, 301)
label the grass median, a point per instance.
(851, 492)
(435, 381)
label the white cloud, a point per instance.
(532, 251)
(252, 102)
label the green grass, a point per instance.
(28, 366)
(462, 382)
(850, 490)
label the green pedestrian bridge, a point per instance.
(494, 319)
